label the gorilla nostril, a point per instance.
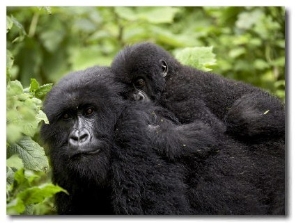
(83, 137)
(78, 136)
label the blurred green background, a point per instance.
(249, 42)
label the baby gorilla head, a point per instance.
(143, 68)
(80, 130)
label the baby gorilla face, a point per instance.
(143, 68)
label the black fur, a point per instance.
(128, 175)
(248, 112)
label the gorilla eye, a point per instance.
(66, 116)
(140, 83)
(89, 111)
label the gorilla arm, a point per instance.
(170, 138)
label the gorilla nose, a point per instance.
(79, 137)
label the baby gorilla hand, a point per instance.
(175, 141)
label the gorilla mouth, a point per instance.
(93, 152)
(81, 153)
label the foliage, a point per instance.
(28, 187)
(249, 42)
(43, 44)
(198, 57)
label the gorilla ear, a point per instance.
(164, 68)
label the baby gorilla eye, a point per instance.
(140, 83)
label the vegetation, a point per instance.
(43, 44)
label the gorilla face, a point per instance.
(143, 68)
(80, 130)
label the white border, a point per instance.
(293, 111)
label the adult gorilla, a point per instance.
(103, 152)
(106, 153)
(249, 113)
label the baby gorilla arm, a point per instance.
(176, 141)
(167, 136)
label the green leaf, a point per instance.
(43, 90)
(157, 15)
(15, 162)
(34, 85)
(198, 57)
(36, 194)
(41, 116)
(164, 36)
(23, 111)
(260, 64)
(32, 154)
(247, 19)
(20, 179)
(15, 207)
(14, 88)
(126, 13)
(236, 52)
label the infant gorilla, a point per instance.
(152, 73)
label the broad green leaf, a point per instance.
(15, 162)
(236, 52)
(176, 40)
(43, 90)
(157, 15)
(36, 194)
(198, 57)
(126, 13)
(32, 154)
